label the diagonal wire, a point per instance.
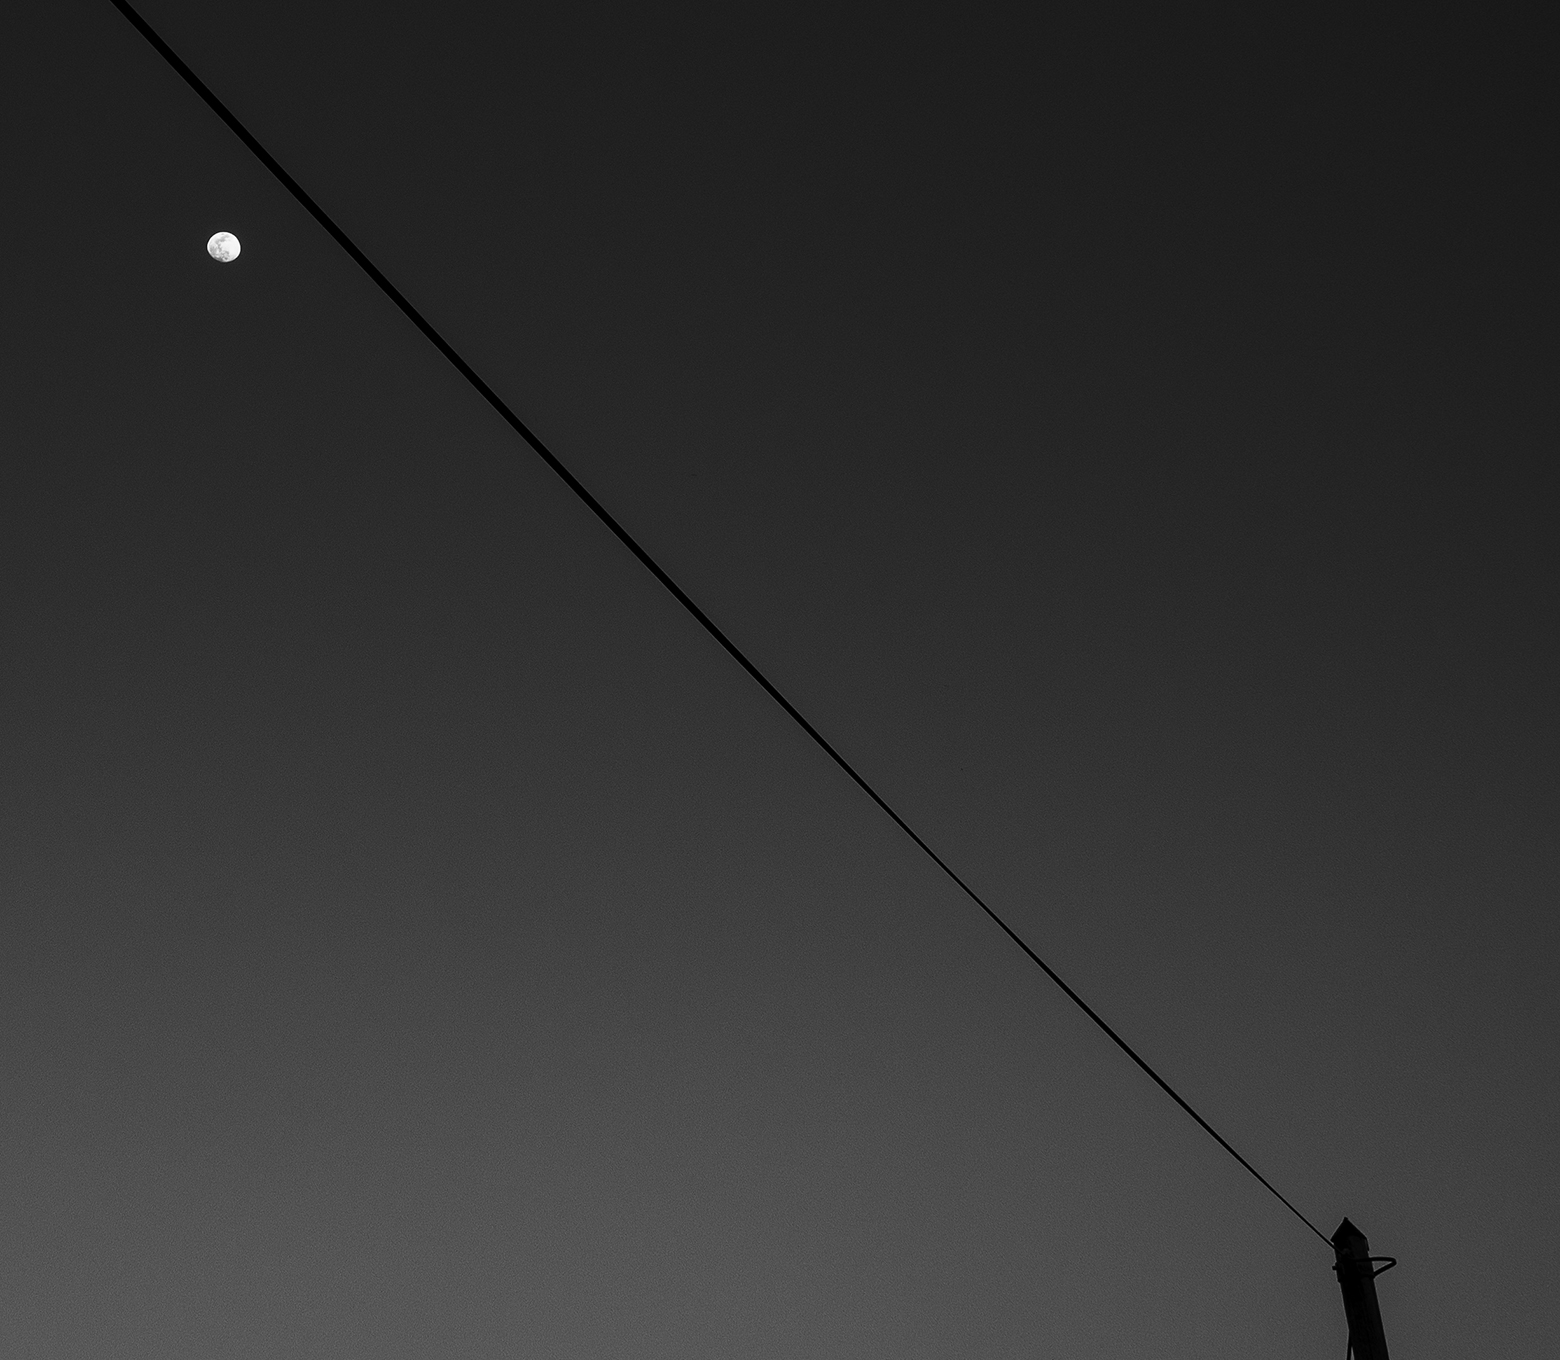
(656, 570)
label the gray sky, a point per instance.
(1121, 437)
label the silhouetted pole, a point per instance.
(1356, 1270)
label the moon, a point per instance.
(223, 247)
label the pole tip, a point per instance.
(1347, 1233)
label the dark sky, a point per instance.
(1125, 436)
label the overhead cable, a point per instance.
(681, 596)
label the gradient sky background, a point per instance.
(1123, 435)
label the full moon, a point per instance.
(223, 246)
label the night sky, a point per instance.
(1126, 436)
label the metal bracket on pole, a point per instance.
(1357, 1269)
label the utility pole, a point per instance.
(1356, 1271)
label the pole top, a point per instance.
(1347, 1235)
